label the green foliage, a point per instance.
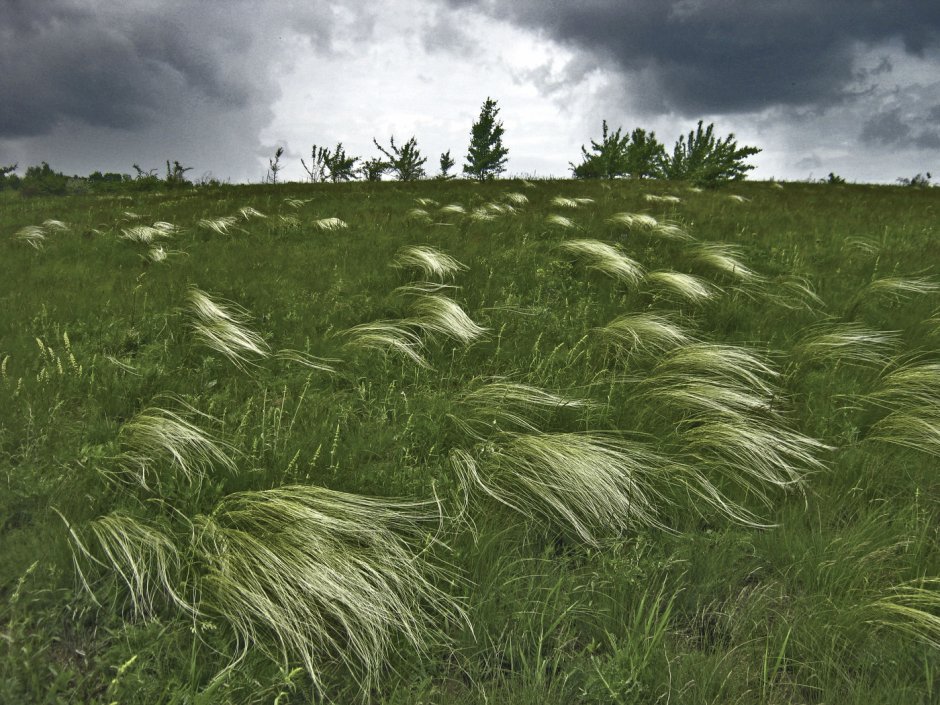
(274, 166)
(404, 161)
(486, 156)
(834, 179)
(447, 163)
(705, 160)
(639, 155)
(8, 177)
(333, 165)
(176, 176)
(43, 181)
(916, 181)
(372, 169)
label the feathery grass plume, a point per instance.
(313, 575)
(32, 235)
(653, 198)
(724, 258)
(247, 212)
(296, 202)
(311, 361)
(143, 555)
(500, 208)
(388, 336)
(913, 608)
(606, 259)
(57, 225)
(223, 328)
(516, 198)
(155, 434)
(425, 202)
(482, 214)
(903, 287)
(670, 231)
(157, 254)
(562, 202)
(289, 221)
(329, 224)
(849, 343)
(591, 483)
(431, 262)
(220, 225)
(694, 189)
(687, 286)
(560, 221)
(752, 453)
(416, 288)
(143, 233)
(702, 396)
(713, 361)
(419, 214)
(453, 209)
(794, 293)
(437, 314)
(869, 246)
(913, 385)
(165, 227)
(735, 198)
(131, 215)
(501, 406)
(649, 333)
(633, 221)
(776, 185)
(583, 201)
(913, 427)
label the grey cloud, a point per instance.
(890, 129)
(701, 56)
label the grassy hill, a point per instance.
(442, 442)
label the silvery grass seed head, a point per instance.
(32, 235)
(847, 343)
(437, 314)
(560, 221)
(605, 259)
(647, 333)
(330, 224)
(388, 336)
(432, 263)
(308, 574)
(685, 286)
(222, 327)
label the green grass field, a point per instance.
(499, 443)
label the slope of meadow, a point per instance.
(547, 442)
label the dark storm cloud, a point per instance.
(730, 55)
(120, 70)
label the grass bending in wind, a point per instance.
(685, 286)
(430, 262)
(223, 328)
(648, 333)
(911, 394)
(314, 576)
(438, 315)
(847, 343)
(606, 259)
(159, 434)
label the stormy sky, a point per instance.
(845, 86)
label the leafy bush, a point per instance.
(8, 177)
(333, 165)
(405, 161)
(705, 160)
(917, 181)
(43, 181)
(639, 155)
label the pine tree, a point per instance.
(486, 157)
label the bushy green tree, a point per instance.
(372, 169)
(486, 156)
(43, 181)
(405, 160)
(639, 155)
(705, 160)
(8, 177)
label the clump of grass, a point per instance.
(903, 287)
(847, 343)
(633, 221)
(728, 364)
(735, 198)
(516, 198)
(606, 259)
(425, 202)
(247, 212)
(307, 574)
(725, 259)
(388, 336)
(144, 233)
(329, 224)
(592, 484)
(499, 406)
(562, 202)
(686, 286)
(482, 215)
(420, 215)
(653, 198)
(912, 608)
(431, 262)
(296, 202)
(437, 314)
(223, 327)
(649, 333)
(560, 221)
(453, 209)
(157, 434)
(32, 235)
(222, 225)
